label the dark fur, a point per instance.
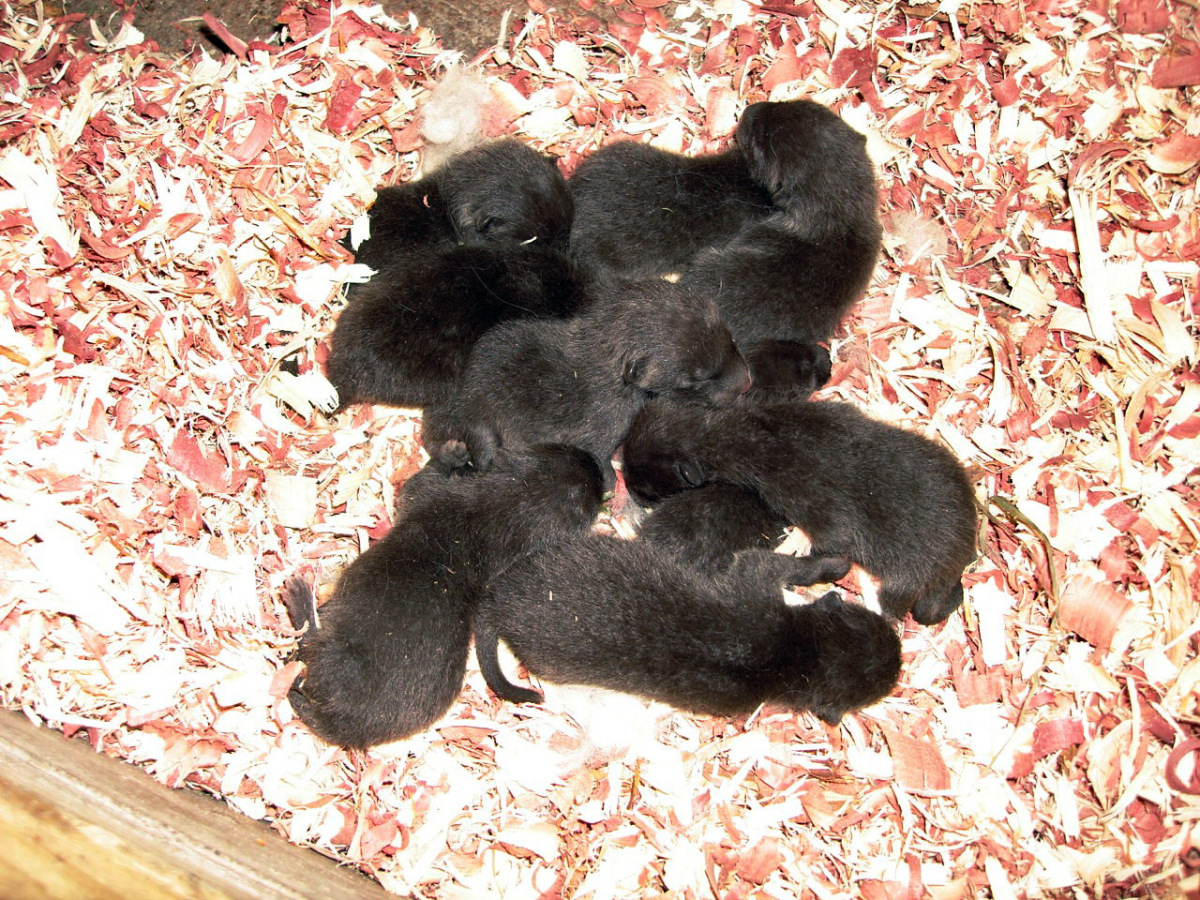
(580, 381)
(786, 370)
(405, 336)
(796, 273)
(641, 212)
(704, 528)
(389, 656)
(627, 616)
(500, 192)
(782, 230)
(892, 501)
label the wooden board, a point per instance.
(76, 824)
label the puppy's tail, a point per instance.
(301, 604)
(487, 641)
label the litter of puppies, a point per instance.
(172, 266)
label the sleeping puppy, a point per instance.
(793, 275)
(499, 192)
(405, 336)
(704, 528)
(627, 616)
(892, 501)
(580, 381)
(781, 230)
(385, 657)
(641, 212)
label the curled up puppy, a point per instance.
(500, 193)
(627, 616)
(405, 336)
(481, 240)
(706, 527)
(793, 275)
(896, 503)
(581, 380)
(386, 656)
(781, 229)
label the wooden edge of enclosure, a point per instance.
(75, 823)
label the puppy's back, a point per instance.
(405, 337)
(582, 380)
(895, 502)
(705, 527)
(642, 212)
(625, 615)
(390, 651)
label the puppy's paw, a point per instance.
(452, 458)
(305, 392)
(320, 391)
(818, 570)
(788, 368)
(829, 714)
(302, 707)
(937, 607)
(483, 442)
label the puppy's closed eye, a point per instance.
(689, 472)
(636, 371)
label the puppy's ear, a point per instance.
(300, 602)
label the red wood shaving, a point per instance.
(1093, 610)
(1180, 151)
(1054, 735)
(209, 470)
(1142, 16)
(256, 140)
(341, 116)
(1187, 754)
(919, 765)
(1172, 71)
(759, 861)
(235, 44)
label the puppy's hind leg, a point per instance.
(487, 652)
(451, 458)
(795, 570)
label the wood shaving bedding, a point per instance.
(170, 268)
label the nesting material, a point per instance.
(170, 267)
